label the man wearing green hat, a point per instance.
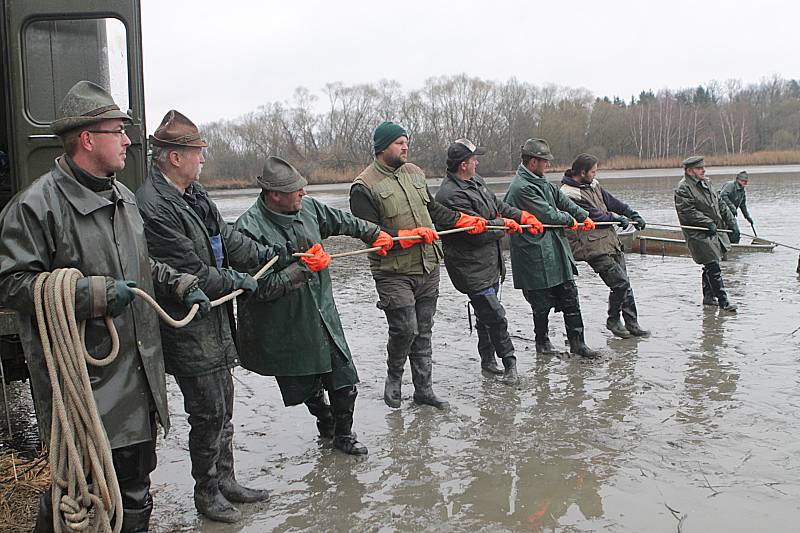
(542, 264)
(735, 197)
(185, 230)
(290, 325)
(699, 205)
(393, 193)
(79, 216)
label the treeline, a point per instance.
(328, 137)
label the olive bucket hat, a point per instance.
(279, 175)
(85, 104)
(537, 148)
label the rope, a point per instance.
(79, 447)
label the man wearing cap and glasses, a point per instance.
(394, 194)
(185, 230)
(542, 264)
(735, 197)
(475, 263)
(290, 325)
(699, 205)
(79, 216)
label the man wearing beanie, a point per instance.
(735, 197)
(394, 194)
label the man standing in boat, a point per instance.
(735, 197)
(601, 248)
(698, 205)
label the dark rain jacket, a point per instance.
(59, 223)
(698, 205)
(735, 197)
(176, 235)
(544, 260)
(474, 262)
(602, 207)
(288, 324)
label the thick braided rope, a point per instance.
(79, 449)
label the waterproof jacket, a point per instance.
(735, 197)
(544, 260)
(697, 204)
(59, 223)
(176, 235)
(474, 262)
(287, 326)
(399, 199)
(602, 207)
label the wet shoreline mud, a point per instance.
(693, 429)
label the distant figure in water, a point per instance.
(735, 197)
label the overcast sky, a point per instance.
(213, 60)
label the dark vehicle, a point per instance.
(48, 46)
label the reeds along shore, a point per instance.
(322, 176)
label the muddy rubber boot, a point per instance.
(209, 501)
(489, 367)
(137, 520)
(391, 389)
(343, 403)
(573, 323)
(226, 479)
(318, 407)
(510, 376)
(44, 517)
(421, 375)
(718, 287)
(725, 304)
(631, 317)
(541, 325)
(614, 325)
(708, 293)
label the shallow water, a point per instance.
(693, 429)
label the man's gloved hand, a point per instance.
(527, 219)
(638, 221)
(588, 224)
(574, 226)
(712, 230)
(385, 241)
(319, 261)
(465, 221)
(243, 281)
(735, 236)
(197, 296)
(623, 221)
(118, 295)
(428, 236)
(512, 225)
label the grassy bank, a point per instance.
(775, 157)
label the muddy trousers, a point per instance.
(208, 400)
(713, 287)
(336, 418)
(133, 465)
(409, 302)
(491, 324)
(614, 274)
(563, 298)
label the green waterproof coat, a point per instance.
(735, 197)
(699, 205)
(286, 327)
(544, 260)
(177, 236)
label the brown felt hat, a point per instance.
(177, 130)
(86, 103)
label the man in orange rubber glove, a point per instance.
(290, 325)
(475, 263)
(394, 194)
(543, 265)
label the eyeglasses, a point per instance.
(120, 131)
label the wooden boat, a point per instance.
(662, 241)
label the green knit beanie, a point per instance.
(385, 134)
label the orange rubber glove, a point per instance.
(427, 234)
(588, 224)
(512, 225)
(385, 241)
(320, 261)
(528, 219)
(574, 226)
(465, 221)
